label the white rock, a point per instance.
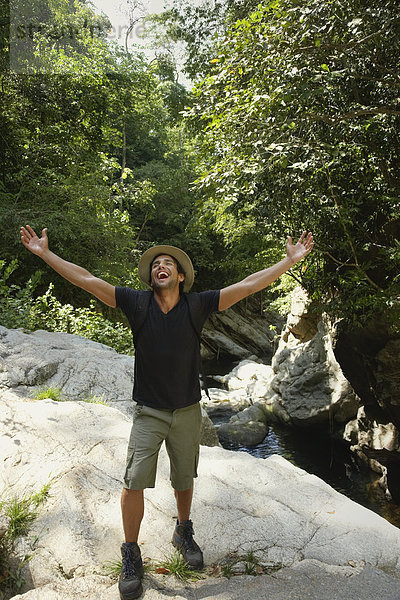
(224, 401)
(80, 367)
(309, 386)
(247, 373)
(242, 504)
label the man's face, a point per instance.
(164, 273)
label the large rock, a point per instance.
(249, 375)
(80, 367)
(242, 331)
(247, 383)
(292, 522)
(222, 401)
(309, 387)
(247, 428)
(376, 442)
(370, 358)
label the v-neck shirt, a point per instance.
(167, 353)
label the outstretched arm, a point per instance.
(77, 275)
(260, 280)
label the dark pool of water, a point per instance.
(315, 452)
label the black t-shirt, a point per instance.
(167, 357)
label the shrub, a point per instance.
(19, 309)
(21, 512)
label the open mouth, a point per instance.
(162, 275)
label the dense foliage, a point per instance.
(95, 150)
(301, 121)
(294, 124)
(20, 309)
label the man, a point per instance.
(166, 388)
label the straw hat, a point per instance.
(179, 255)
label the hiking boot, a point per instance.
(183, 540)
(130, 584)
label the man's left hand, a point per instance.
(299, 250)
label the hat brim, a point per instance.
(147, 258)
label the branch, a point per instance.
(291, 274)
(339, 262)
(355, 113)
(341, 46)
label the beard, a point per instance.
(163, 284)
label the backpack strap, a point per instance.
(194, 306)
(142, 309)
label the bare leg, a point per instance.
(132, 506)
(182, 537)
(184, 503)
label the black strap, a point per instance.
(194, 313)
(141, 312)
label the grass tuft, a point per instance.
(95, 400)
(235, 564)
(54, 393)
(175, 564)
(21, 512)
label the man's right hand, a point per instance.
(74, 273)
(36, 245)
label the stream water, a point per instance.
(317, 453)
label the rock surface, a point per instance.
(313, 537)
(309, 580)
(309, 387)
(247, 428)
(80, 367)
(222, 401)
(249, 375)
(242, 331)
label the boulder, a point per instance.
(309, 387)
(290, 521)
(80, 368)
(376, 442)
(208, 434)
(242, 331)
(247, 428)
(249, 375)
(370, 357)
(224, 401)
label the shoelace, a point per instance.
(188, 537)
(128, 564)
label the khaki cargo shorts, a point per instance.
(180, 429)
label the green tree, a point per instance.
(94, 149)
(199, 27)
(68, 134)
(300, 118)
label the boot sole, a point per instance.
(133, 595)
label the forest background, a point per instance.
(293, 123)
